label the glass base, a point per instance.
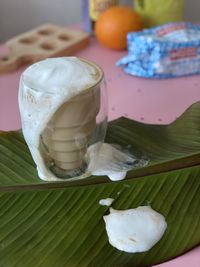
(67, 174)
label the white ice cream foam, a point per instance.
(134, 230)
(44, 87)
(114, 162)
(106, 201)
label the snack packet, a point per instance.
(171, 50)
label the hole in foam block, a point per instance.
(64, 37)
(28, 40)
(46, 31)
(47, 46)
(5, 59)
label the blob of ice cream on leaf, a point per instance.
(134, 230)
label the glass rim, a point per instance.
(91, 63)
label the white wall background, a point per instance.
(17, 16)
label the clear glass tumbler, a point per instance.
(76, 124)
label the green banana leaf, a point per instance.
(61, 224)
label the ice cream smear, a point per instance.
(112, 161)
(134, 230)
(106, 201)
(44, 87)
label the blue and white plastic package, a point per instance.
(171, 50)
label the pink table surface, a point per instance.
(149, 101)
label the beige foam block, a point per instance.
(40, 43)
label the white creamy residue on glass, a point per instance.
(106, 159)
(47, 85)
(50, 83)
(106, 202)
(134, 230)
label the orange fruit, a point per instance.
(113, 25)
